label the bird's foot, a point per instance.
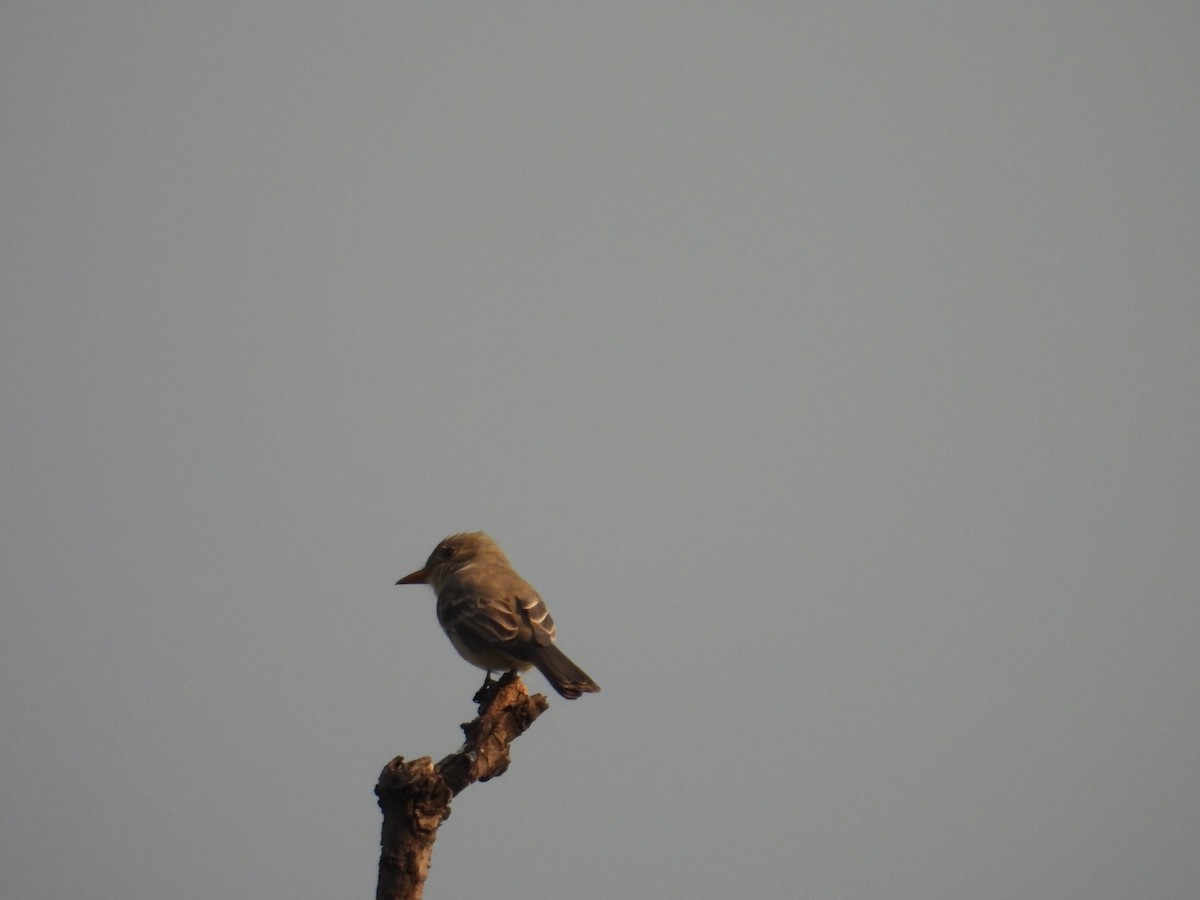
(484, 692)
(491, 687)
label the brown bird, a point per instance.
(493, 616)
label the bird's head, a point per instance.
(453, 555)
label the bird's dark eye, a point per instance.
(445, 551)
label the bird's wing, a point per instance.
(504, 619)
(538, 618)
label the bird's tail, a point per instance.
(568, 679)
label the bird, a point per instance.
(494, 617)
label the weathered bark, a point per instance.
(415, 795)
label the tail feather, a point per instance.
(566, 677)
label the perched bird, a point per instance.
(493, 616)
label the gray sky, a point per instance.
(830, 368)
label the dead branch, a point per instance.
(415, 795)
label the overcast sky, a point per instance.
(833, 370)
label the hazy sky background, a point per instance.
(832, 369)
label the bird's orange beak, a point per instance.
(418, 577)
